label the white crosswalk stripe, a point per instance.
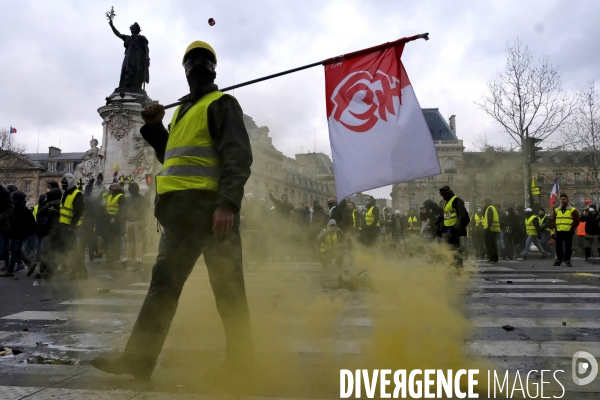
(545, 303)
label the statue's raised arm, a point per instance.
(115, 31)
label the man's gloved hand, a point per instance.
(153, 114)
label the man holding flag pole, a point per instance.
(373, 116)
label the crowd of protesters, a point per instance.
(69, 220)
(72, 219)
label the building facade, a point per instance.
(497, 174)
(305, 178)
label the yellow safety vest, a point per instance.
(413, 224)
(354, 212)
(564, 219)
(450, 214)
(495, 222)
(369, 217)
(35, 210)
(112, 203)
(478, 220)
(66, 210)
(541, 220)
(191, 160)
(529, 227)
(330, 243)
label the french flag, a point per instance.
(13, 130)
(554, 193)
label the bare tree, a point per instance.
(582, 132)
(527, 98)
(8, 149)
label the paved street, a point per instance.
(58, 327)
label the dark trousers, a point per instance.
(15, 253)
(73, 247)
(564, 239)
(452, 237)
(479, 243)
(179, 249)
(490, 239)
(332, 255)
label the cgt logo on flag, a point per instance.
(376, 96)
(377, 131)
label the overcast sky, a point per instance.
(59, 59)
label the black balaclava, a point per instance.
(198, 77)
(64, 184)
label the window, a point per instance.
(431, 178)
(69, 166)
(449, 166)
(27, 187)
(577, 177)
(52, 167)
(444, 133)
(450, 178)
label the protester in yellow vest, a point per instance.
(455, 221)
(206, 158)
(114, 209)
(72, 206)
(330, 243)
(565, 220)
(546, 230)
(413, 222)
(372, 222)
(533, 229)
(478, 233)
(491, 226)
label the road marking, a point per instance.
(495, 269)
(520, 280)
(67, 315)
(490, 322)
(509, 286)
(130, 292)
(104, 302)
(538, 295)
(517, 348)
(535, 306)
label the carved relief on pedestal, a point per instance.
(143, 160)
(119, 123)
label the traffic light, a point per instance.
(530, 149)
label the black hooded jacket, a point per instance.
(231, 140)
(462, 215)
(22, 221)
(50, 212)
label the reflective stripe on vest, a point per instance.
(66, 210)
(369, 218)
(191, 160)
(35, 210)
(450, 215)
(495, 220)
(564, 219)
(581, 229)
(330, 242)
(529, 227)
(413, 224)
(112, 204)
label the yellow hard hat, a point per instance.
(198, 44)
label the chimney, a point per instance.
(453, 123)
(53, 152)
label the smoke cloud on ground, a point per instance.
(306, 329)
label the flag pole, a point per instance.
(330, 60)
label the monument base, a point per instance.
(126, 154)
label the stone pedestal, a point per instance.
(123, 148)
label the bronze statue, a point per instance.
(135, 69)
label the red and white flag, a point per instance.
(377, 130)
(554, 193)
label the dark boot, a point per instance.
(119, 366)
(588, 252)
